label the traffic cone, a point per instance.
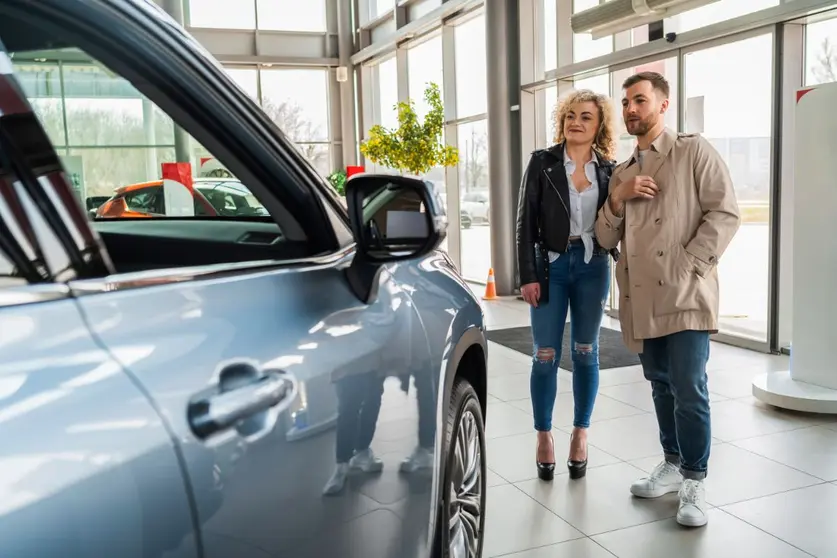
(490, 287)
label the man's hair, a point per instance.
(656, 80)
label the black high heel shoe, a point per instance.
(546, 471)
(577, 469)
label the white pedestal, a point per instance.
(780, 390)
(811, 383)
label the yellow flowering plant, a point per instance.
(414, 147)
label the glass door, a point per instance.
(730, 104)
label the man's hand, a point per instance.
(639, 187)
(531, 293)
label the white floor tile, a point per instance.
(627, 438)
(493, 479)
(515, 522)
(500, 365)
(601, 501)
(724, 537)
(741, 419)
(579, 548)
(495, 349)
(804, 518)
(811, 450)
(504, 420)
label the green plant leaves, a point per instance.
(414, 147)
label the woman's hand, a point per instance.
(531, 293)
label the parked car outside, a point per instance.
(476, 203)
(306, 382)
(212, 197)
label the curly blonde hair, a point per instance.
(605, 140)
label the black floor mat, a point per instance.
(612, 351)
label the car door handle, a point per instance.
(271, 392)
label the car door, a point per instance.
(87, 466)
(264, 370)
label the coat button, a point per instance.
(660, 253)
(657, 221)
(662, 282)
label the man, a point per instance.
(673, 207)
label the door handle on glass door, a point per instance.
(214, 413)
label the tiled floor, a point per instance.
(772, 484)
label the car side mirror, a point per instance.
(393, 218)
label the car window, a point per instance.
(134, 163)
(145, 200)
(231, 199)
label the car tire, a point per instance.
(463, 489)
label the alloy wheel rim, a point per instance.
(466, 490)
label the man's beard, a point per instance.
(639, 127)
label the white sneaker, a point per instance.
(366, 461)
(337, 481)
(692, 510)
(420, 459)
(664, 479)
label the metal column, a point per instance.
(181, 139)
(345, 49)
(503, 138)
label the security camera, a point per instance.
(671, 37)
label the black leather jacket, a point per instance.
(543, 215)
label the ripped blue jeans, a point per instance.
(582, 289)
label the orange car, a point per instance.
(213, 197)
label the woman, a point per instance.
(562, 267)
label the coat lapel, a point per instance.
(556, 175)
(658, 153)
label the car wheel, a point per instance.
(463, 506)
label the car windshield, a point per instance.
(231, 198)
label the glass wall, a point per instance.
(297, 100)
(463, 188)
(471, 78)
(423, 68)
(741, 132)
(475, 200)
(105, 130)
(472, 141)
(715, 13)
(269, 15)
(385, 90)
(584, 46)
(821, 52)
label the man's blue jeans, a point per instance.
(676, 367)
(582, 288)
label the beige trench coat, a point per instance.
(671, 244)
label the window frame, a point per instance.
(179, 60)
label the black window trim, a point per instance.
(172, 275)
